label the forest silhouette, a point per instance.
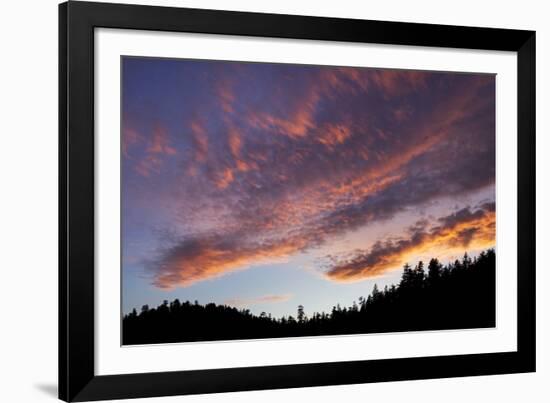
(458, 295)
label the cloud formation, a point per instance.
(458, 231)
(269, 161)
(157, 147)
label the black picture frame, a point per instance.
(77, 379)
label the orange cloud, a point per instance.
(226, 96)
(344, 80)
(199, 138)
(297, 124)
(334, 134)
(159, 142)
(235, 142)
(390, 81)
(295, 127)
(225, 178)
(197, 260)
(244, 166)
(466, 228)
(158, 146)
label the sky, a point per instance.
(266, 186)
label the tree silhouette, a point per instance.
(300, 314)
(434, 271)
(456, 296)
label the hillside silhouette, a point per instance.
(458, 295)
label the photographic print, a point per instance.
(264, 200)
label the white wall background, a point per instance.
(28, 201)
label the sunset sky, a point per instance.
(266, 186)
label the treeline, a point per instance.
(454, 296)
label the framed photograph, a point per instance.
(257, 201)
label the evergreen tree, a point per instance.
(434, 271)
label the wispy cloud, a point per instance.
(158, 146)
(276, 160)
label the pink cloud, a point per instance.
(130, 138)
(226, 96)
(158, 147)
(160, 143)
(200, 141)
